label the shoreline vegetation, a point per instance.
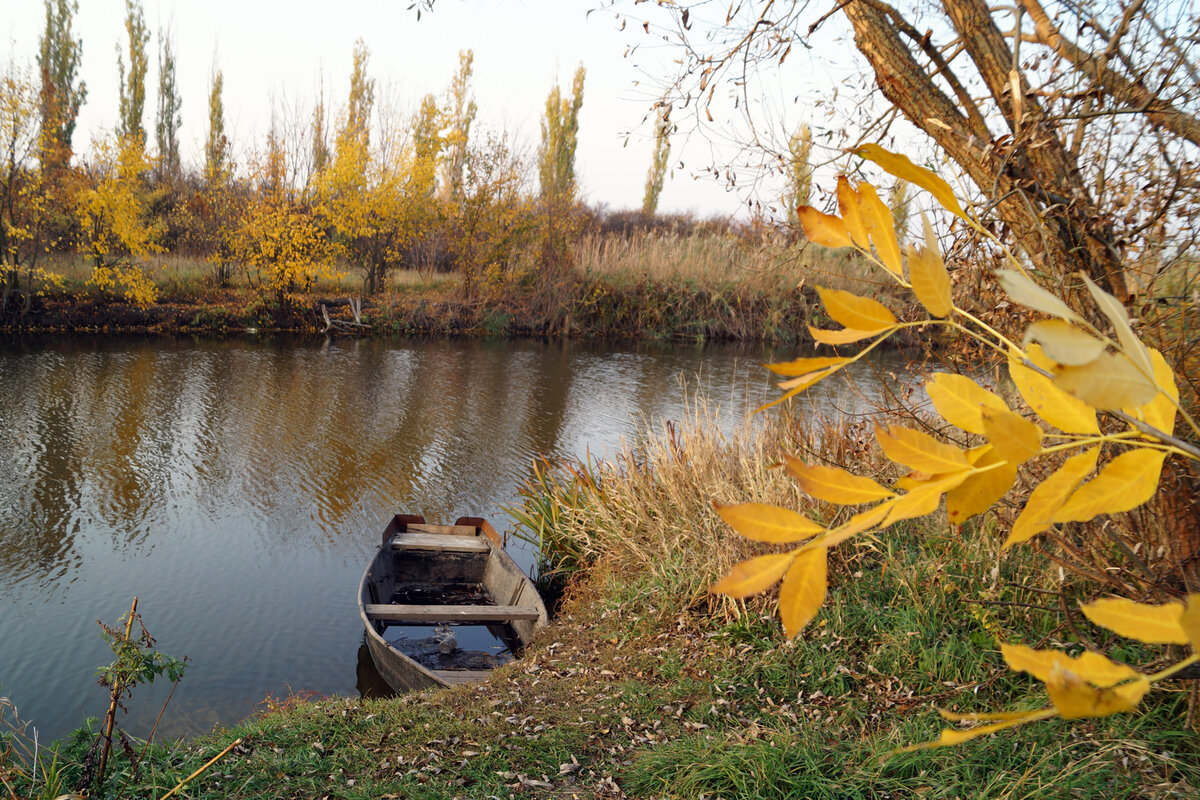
(647, 685)
(684, 281)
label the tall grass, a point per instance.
(644, 520)
(708, 258)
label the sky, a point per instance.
(281, 51)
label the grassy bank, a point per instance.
(648, 686)
(694, 287)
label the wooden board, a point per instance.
(443, 530)
(457, 676)
(436, 541)
(395, 612)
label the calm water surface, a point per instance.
(238, 488)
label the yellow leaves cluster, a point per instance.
(113, 219)
(1090, 684)
(1065, 370)
(282, 244)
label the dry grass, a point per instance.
(648, 512)
(191, 275)
(720, 259)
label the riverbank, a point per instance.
(701, 287)
(648, 686)
(599, 308)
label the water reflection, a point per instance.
(238, 487)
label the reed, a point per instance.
(643, 522)
(717, 259)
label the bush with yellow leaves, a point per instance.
(114, 223)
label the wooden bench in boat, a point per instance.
(396, 612)
(444, 530)
(457, 676)
(439, 542)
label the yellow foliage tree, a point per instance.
(114, 222)
(369, 195)
(25, 201)
(282, 247)
(1067, 370)
(492, 221)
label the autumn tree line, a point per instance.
(360, 188)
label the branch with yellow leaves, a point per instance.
(1065, 369)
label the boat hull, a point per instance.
(415, 554)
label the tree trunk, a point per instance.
(1029, 175)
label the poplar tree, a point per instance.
(133, 84)
(658, 164)
(216, 148)
(427, 143)
(166, 126)
(900, 204)
(320, 136)
(560, 131)
(360, 101)
(60, 95)
(460, 113)
(800, 172)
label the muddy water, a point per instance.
(238, 488)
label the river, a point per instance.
(238, 487)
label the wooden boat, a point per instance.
(444, 575)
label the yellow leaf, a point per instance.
(899, 166)
(1111, 382)
(805, 366)
(1117, 315)
(1125, 482)
(1014, 438)
(803, 590)
(1092, 667)
(766, 523)
(980, 491)
(928, 276)
(802, 382)
(953, 736)
(797, 385)
(1152, 624)
(860, 313)
(844, 336)
(835, 485)
(754, 576)
(1049, 496)
(923, 498)
(1022, 290)
(1063, 342)
(823, 229)
(1189, 620)
(860, 522)
(1050, 402)
(881, 226)
(848, 201)
(1074, 699)
(1160, 412)
(975, 454)
(961, 400)
(987, 716)
(920, 450)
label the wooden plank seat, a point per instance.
(457, 676)
(444, 530)
(397, 612)
(439, 542)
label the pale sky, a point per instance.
(281, 49)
